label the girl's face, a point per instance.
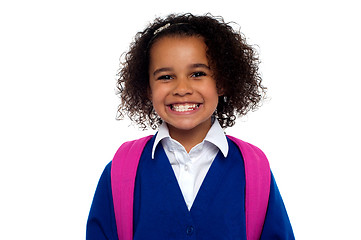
(182, 88)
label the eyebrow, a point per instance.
(199, 65)
(162, 70)
(195, 65)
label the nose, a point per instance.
(183, 87)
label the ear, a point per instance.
(220, 92)
(220, 88)
(149, 94)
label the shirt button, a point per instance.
(190, 230)
(186, 167)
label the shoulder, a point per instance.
(255, 160)
(136, 143)
(132, 146)
(246, 146)
(126, 159)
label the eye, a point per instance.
(165, 77)
(198, 74)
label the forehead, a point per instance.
(175, 47)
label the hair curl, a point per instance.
(233, 61)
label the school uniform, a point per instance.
(166, 207)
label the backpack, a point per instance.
(124, 169)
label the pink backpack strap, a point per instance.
(258, 182)
(123, 172)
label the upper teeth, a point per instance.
(184, 107)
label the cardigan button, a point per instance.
(190, 230)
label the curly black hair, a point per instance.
(233, 61)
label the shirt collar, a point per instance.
(215, 136)
(163, 132)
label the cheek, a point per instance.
(155, 96)
(215, 97)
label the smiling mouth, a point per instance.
(185, 107)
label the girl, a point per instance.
(189, 76)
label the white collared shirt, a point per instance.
(191, 168)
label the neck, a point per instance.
(189, 138)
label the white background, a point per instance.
(58, 64)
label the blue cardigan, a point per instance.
(161, 213)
